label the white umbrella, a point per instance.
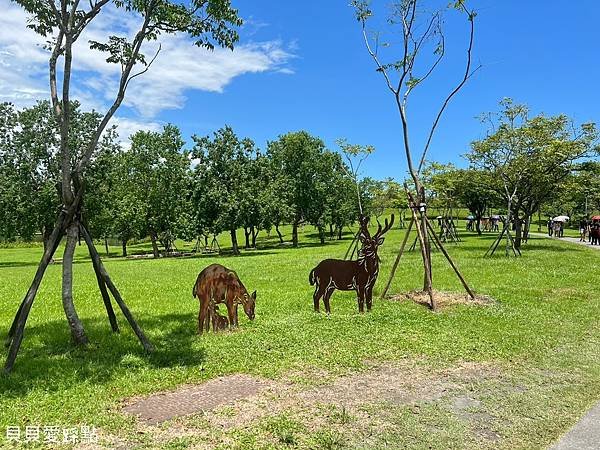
(561, 219)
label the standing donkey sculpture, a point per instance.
(218, 284)
(359, 276)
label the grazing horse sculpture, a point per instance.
(359, 276)
(218, 284)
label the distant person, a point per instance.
(550, 227)
(561, 229)
(594, 233)
(556, 227)
(582, 230)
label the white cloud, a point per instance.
(179, 68)
(127, 127)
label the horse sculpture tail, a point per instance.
(311, 277)
(194, 290)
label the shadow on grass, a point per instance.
(48, 358)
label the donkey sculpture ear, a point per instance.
(253, 295)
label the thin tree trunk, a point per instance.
(106, 246)
(247, 238)
(254, 236)
(46, 236)
(279, 234)
(77, 331)
(124, 247)
(518, 232)
(321, 235)
(508, 225)
(154, 244)
(295, 234)
(427, 283)
(234, 242)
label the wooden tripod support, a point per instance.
(15, 334)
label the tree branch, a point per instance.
(468, 74)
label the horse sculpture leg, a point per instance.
(200, 320)
(326, 298)
(317, 295)
(360, 291)
(231, 315)
(202, 317)
(369, 297)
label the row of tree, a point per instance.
(159, 189)
(523, 166)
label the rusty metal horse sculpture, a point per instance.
(359, 276)
(218, 284)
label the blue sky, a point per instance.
(303, 65)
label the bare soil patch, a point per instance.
(358, 405)
(444, 299)
(194, 399)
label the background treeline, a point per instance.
(160, 190)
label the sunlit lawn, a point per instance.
(546, 321)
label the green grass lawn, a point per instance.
(541, 338)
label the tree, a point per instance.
(421, 34)
(30, 168)
(275, 199)
(61, 23)
(531, 157)
(158, 170)
(298, 158)
(476, 190)
(220, 180)
(354, 155)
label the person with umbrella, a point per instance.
(559, 225)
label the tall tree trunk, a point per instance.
(279, 234)
(331, 231)
(478, 224)
(247, 236)
(106, 246)
(124, 247)
(46, 236)
(154, 244)
(518, 232)
(75, 324)
(339, 231)
(321, 235)
(295, 234)
(254, 236)
(234, 242)
(508, 226)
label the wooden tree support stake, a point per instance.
(462, 280)
(115, 292)
(490, 251)
(395, 266)
(15, 334)
(105, 296)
